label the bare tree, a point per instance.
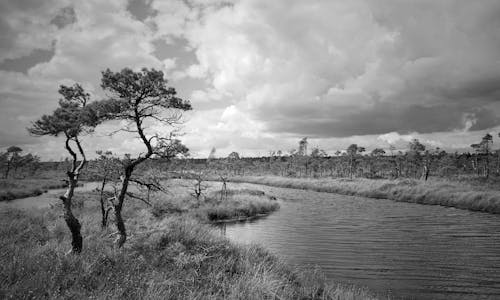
(71, 119)
(198, 187)
(106, 171)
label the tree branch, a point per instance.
(84, 159)
(138, 198)
(71, 152)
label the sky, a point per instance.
(263, 74)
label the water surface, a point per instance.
(51, 197)
(407, 250)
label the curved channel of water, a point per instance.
(407, 250)
(46, 199)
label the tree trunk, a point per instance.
(71, 221)
(8, 169)
(75, 228)
(120, 226)
(104, 213)
(426, 172)
(487, 169)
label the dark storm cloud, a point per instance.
(23, 64)
(438, 70)
(25, 25)
(140, 9)
(388, 118)
(65, 17)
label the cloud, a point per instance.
(26, 25)
(335, 68)
(262, 74)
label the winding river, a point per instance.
(406, 250)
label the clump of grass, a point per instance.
(240, 205)
(459, 195)
(176, 257)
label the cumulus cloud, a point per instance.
(336, 68)
(261, 74)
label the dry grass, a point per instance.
(239, 205)
(172, 257)
(437, 192)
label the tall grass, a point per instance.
(452, 194)
(175, 257)
(239, 205)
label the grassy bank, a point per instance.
(21, 188)
(173, 255)
(239, 205)
(452, 194)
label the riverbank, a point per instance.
(11, 189)
(451, 194)
(172, 254)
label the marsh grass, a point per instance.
(11, 189)
(239, 205)
(437, 192)
(173, 257)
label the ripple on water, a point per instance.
(408, 250)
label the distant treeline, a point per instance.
(416, 162)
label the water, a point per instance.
(51, 197)
(406, 250)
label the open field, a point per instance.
(441, 192)
(15, 189)
(171, 253)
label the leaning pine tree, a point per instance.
(71, 119)
(141, 99)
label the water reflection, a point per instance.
(409, 250)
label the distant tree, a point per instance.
(12, 157)
(352, 152)
(303, 147)
(376, 154)
(416, 149)
(234, 162)
(27, 162)
(317, 158)
(198, 186)
(71, 119)
(140, 98)
(233, 156)
(484, 149)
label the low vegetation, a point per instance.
(240, 205)
(452, 194)
(11, 189)
(169, 256)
